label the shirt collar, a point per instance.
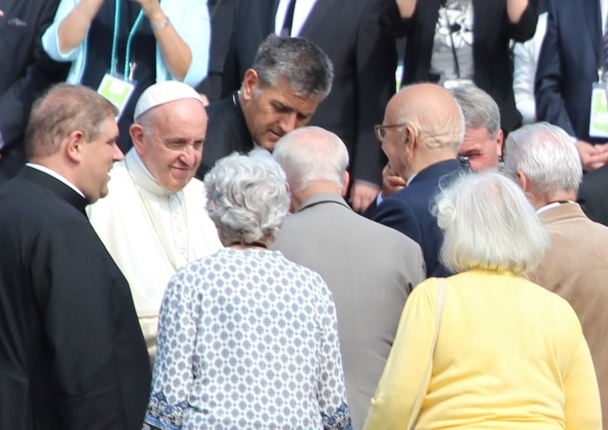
(551, 205)
(142, 176)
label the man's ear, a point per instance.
(250, 84)
(137, 136)
(500, 141)
(73, 146)
(410, 137)
(346, 183)
(410, 142)
(523, 181)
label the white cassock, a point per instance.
(151, 232)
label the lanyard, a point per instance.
(452, 28)
(138, 20)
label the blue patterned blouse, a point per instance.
(247, 340)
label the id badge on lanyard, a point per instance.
(598, 121)
(116, 88)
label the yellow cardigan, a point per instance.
(510, 355)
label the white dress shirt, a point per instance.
(300, 14)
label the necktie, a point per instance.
(606, 45)
(287, 24)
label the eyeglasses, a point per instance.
(381, 130)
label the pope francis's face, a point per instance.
(171, 144)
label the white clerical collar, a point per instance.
(142, 176)
(54, 175)
(545, 208)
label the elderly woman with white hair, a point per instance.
(247, 339)
(486, 348)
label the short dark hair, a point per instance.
(301, 63)
(63, 109)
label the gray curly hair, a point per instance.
(247, 198)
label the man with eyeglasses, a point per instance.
(156, 221)
(421, 132)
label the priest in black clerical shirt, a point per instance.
(72, 355)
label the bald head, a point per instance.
(432, 110)
(424, 126)
(314, 160)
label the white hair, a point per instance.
(546, 155)
(247, 198)
(311, 154)
(489, 224)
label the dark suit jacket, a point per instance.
(408, 211)
(491, 56)
(25, 72)
(592, 195)
(222, 13)
(227, 132)
(567, 65)
(364, 60)
(72, 355)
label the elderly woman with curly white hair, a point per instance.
(486, 348)
(247, 339)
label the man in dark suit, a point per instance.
(281, 91)
(421, 132)
(567, 68)
(26, 71)
(72, 355)
(364, 60)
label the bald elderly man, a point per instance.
(155, 219)
(422, 130)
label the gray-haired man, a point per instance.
(483, 137)
(279, 93)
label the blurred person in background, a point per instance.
(452, 42)
(26, 73)
(116, 46)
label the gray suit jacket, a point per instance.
(370, 269)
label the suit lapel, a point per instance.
(592, 12)
(316, 15)
(268, 12)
